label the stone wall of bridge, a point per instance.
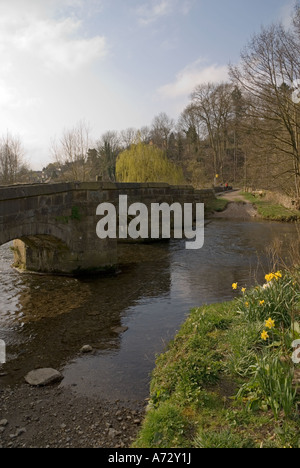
(54, 226)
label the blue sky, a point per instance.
(114, 63)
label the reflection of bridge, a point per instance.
(56, 224)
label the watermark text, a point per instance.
(136, 221)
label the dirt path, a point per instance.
(238, 207)
(235, 196)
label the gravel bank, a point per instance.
(56, 418)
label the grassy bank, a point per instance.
(216, 205)
(228, 380)
(272, 211)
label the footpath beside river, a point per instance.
(264, 206)
(238, 207)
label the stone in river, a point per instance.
(86, 349)
(119, 330)
(43, 377)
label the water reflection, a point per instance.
(46, 320)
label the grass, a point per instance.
(272, 211)
(220, 384)
(216, 205)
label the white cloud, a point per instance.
(153, 10)
(191, 76)
(46, 71)
(33, 43)
(54, 42)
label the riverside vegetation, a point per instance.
(271, 210)
(228, 379)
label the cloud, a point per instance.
(153, 10)
(46, 70)
(34, 44)
(191, 76)
(55, 43)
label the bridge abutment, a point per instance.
(43, 254)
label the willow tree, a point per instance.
(147, 163)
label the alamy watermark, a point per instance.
(138, 222)
(2, 352)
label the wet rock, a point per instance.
(86, 349)
(43, 377)
(119, 330)
(20, 431)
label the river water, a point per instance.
(46, 320)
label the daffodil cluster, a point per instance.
(277, 298)
(277, 276)
(235, 287)
(270, 324)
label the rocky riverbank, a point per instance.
(52, 417)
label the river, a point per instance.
(46, 320)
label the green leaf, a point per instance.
(296, 327)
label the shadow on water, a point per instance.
(46, 320)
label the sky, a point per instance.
(114, 63)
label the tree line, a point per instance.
(245, 130)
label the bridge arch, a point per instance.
(42, 253)
(26, 230)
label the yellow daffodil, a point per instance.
(261, 303)
(244, 290)
(270, 324)
(247, 304)
(270, 277)
(234, 286)
(264, 335)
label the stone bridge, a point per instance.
(54, 226)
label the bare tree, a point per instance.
(108, 148)
(144, 135)
(128, 137)
(211, 109)
(12, 164)
(269, 67)
(72, 151)
(161, 130)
